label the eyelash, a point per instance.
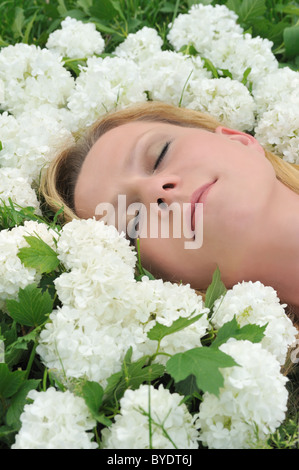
(162, 155)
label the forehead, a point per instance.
(104, 166)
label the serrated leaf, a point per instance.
(231, 329)
(215, 290)
(159, 331)
(32, 307)
(10, 382)
(38, 255)
(204, 363)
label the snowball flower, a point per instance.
(31, 140)
(251, 404)
(55, 420)
(2, 91)
(227, 100)
(277, 87)
(164, 303)
(104, 85)
(140, 46)
(171, 423)
(81, 243)
(252, 302)
(278, 129)
(13, 274)
(240, 53)
(167, 76)
(15, 186)
(80, 344)
(105, 310)
(215, 34)
(102, 316)
(32, 76)
(202, 25)
(76, 39)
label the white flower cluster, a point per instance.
(215, 34)
(140, 46)
(254, 303)
(55, 420)
(102, 86)
(31, 140)
(183, 80)
(76, 39)
(227, 100)
(203, 25)
(13, 274)
(32, 77)
(15, 186)
(251, 404)
(277, 99)
(105, 311)
(172, 425)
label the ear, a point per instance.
(242, 137)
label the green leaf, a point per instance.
(251, 332)
(18, 23)
(187, 387)
(159, 331)
(215, 290)
(132, 375)
(288, 9)
(32, 307)
(10, 382)
(92, 393)
(204, 363)
(85, 5)
(188, 49)
(38, 255)
(210, 66)
(103, 10)
(291, 41)
(18, 401)
(247, 10)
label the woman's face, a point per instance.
(165, 169)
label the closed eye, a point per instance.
(162, 155)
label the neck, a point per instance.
(276, 263)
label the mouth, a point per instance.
(199, 196)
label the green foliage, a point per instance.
(204, 364)
(32, 308)
(38, 255)
(158, 332)
(215, 290)
(32, 22)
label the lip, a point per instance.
(199, 196)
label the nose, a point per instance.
(159, 189)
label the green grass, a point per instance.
(31, 21)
